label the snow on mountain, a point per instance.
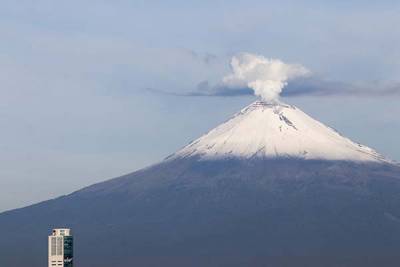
(276, 130)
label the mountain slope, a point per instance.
(276, 130)
(239, 208)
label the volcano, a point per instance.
(276, 131)
(269, 187)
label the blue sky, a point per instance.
(74, 76)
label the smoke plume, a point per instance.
(266, 77)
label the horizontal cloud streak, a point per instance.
(298, 87)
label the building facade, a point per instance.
(61, 248)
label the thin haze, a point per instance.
(74, 104)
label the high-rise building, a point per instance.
(61, 248)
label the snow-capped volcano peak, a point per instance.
(276, 130)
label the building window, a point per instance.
(53, 246)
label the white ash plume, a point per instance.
(267, 77)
